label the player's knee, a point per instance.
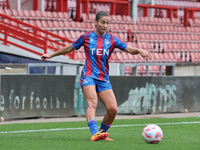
(93, 104)
(113, 110)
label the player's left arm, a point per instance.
(134, 51)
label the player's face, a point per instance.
(102, 25)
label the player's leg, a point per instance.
(90, 95)
(107, 97)
(92, 101)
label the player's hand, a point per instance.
(145, 54)
(45, 56)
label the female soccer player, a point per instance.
(98, 45)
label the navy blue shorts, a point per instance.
(99, 84)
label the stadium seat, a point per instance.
(34, 15)
(81, 56)
(32, 22)
(68, 34)
(52, 25)
(27, 14)
(190, 22)
(8, 12)
(16, 14)
(39, 15)
(38, 24)
(127, 19)
(56, 25)
(14, 23)
(56, 16)
(21, 14)
(2, 11)
(176, 22)
(120, 19)
(68, 25)
(62, 25)
(91, 18)
(114, 19)
(66, 15)
(44, 24)
(61, 16)
(74, 35)
(62, 34)
(84, 17)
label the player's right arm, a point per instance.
(62, 51)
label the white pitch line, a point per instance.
(82, 128)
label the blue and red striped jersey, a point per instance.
(98, 50)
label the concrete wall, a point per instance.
(181, 69)
(26, 5)
(187, 69)
(16, 69)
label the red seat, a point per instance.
(2, 11)
(79, 26)
(68, 35)
(56, 25)
(66, 15)
(85, 27)
(74, 35)
(61, 16)
(74, 26)
(91, 18)
(21, 14)
(167, 57)
(128, 71)
(45, 25)
(176, 22)
(52, 25)
(162, 58)
(80, 56)
(15, 14)
(120, 19)
(113, 19)
(68, 25)
(25, 27)
(84, 17)
(56, 16)
(38, 24)
(120, 57)
(114, 57)
(50, 15)
(39, 14)
(14, 23)
(6, 21)
(78, 33)
(27, 14)
(8, 12)
(32, 22)
(44, 15)
(126, 57)
(62, 34)
(34, 15)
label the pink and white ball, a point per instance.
(152, 134)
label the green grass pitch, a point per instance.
(76, 135)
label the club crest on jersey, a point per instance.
(107, 41)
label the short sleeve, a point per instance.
(79, 42)
(119, 43)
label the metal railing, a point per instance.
(135, 68)
(61, 65)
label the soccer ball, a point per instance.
(152, 134)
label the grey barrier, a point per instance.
(25, 96)
(170, 67)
